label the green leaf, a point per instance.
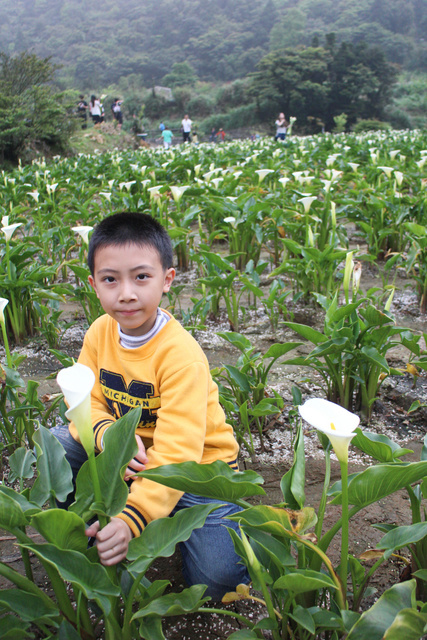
(74, 567)
(316, 337)
(277, 350)
(151, 628)
(303, 618)
(119, 447)
(243, 634)
(215, 480)
(402, 537)
(277, 520)
(67, 632)
(160, 537)
(379, 481)
(13, 629)
(11, 514)
(374, 622)
(175, 604)
(301, 581)
(378, 446)
(27, 507)
(55, 478)
(239, 378)
(21, 464)
(28, 606)
(293, 482)
(374, 356)
(409, 624)
(64, 529)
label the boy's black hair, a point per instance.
(131, 228)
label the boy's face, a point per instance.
(129, 281)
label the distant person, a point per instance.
(195, 136)
(186, 128)
(221, 135)
(82, 107)
(167, 136)
(161, 127)
(116, 108)
(95, 109)
(281, 127)
(212, 137)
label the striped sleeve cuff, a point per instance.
(134, 519)
(98, 432)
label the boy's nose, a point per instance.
(127, 292)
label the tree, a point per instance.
(32, 113)
(315, 83)
(182, 74)
(292, 81)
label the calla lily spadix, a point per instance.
(334, 421)
(83, 232)
(10, 229)
(76, 384)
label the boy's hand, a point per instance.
(138, 462)
(112, 541)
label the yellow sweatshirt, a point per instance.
(181, 417)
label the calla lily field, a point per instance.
(292, 234)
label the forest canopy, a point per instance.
(100, 43)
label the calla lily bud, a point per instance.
(76, 384)
(349, 264)
(3, 303)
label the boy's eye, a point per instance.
(141, 276)
(108, 279)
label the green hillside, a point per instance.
(101, 43)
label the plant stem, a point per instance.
(323, 499)
(344, 528)
(6, 345)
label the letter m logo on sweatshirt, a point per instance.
(121, 398)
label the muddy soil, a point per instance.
(274, 458)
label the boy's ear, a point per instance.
(92, 284)
(169, 278)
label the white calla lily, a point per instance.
(154, 191)
(332, 420)
(76, 384)
(387, 171)
(51, 188)
(284, 181)
(34, 194)
(399, 177)
(83, 232)
(178, 192)
(354, 165)
(5, 221)
(262, 173)
(307, 201)
(10, 229)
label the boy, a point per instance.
(139, 351)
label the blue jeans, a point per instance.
(208, 556)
